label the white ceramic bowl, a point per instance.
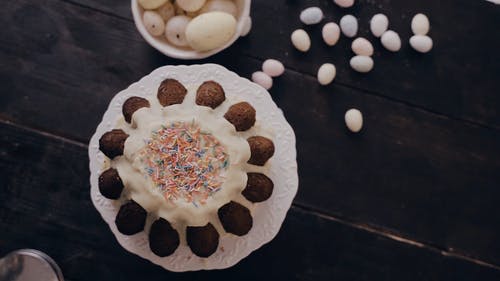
(161, 44)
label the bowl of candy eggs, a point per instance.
(191, 29)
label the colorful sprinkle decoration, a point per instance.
(184, 162)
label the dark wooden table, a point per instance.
(414, 196)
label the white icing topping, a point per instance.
(141, 189)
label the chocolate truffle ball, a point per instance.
(241, 115)
(131, 218)
(110, 184)
(261, 149)
(259, 187)
(211, 94)
(235, 218)
(112, 143)
(171, 92)
(131, 105)
(203, 240)
(163, 238)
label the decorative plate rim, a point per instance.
(268, 218)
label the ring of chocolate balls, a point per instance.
(234, 217)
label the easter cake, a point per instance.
(177, 165)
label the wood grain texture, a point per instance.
(457, 78)
(414, 173)
(45, 204)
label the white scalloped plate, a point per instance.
(267, 216)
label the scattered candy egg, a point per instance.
(349, 25)
(379, 24)
(190, 5)
(210, 30)
(301, 40)
(421, 43)
(226, 6)
(354, 120)
(326, 73)
(311, 15)
(151, 4)
(262, 79)
(331, 33)
(391, 41)
(247, 26)
(175, 30)
(361, 46)
(273, 68)
(362, 64)
(154, 23)
(344, 3)
(420, 24)
(166, 11)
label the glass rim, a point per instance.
(42, 256)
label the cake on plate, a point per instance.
(178, 166)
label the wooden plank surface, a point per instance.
(457, 78)
(45, 204)
(424, 170)
(411, 172)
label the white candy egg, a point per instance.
(331, 33)
(362, 64)
(210, 30)
(190, 5)
(175, 30)
(361, 46)
(262, 79)
(420, 24)
(421, 43)
(379, 24)
(226, 6)
(151, 4)
(166, 11)
(154, 23)
(391, 41)
(273, 68)
(349, 25)
(247, 26)
(311, 15)
(301, 40)
(326, 73)
(354, 120)
(344, 3)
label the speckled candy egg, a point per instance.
(311, 15)
(226, 6)
(273, 68)
(210, 30)
(166, 11)
(391, 41)
(262, 79)
(349, 25)
(247, 26)
(301, 40)
(175, 30)
(421, 43)
(331, 33)
(326, 73)
(154, 23)
(344, 3)
(190, 5)
(379, 24)
(361, 64)
(151, 4)
(420, 24)
(361, 46)
(354, 120)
